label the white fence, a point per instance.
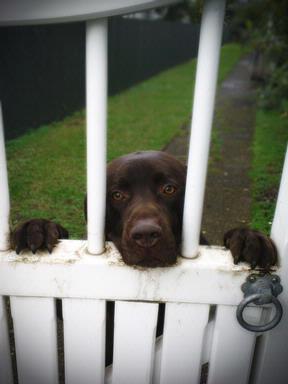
(200, 295)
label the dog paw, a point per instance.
(252, 247)
(37, 234)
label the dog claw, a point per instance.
(37, 234)
(49, 248)
(33, 249)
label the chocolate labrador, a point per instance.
(145, 196)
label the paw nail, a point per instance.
(50, 248)
(33, 249)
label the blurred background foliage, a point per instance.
(263, 24)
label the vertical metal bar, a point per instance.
(96, 104)
(203, 108)
(4, 192)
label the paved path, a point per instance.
(227, 199)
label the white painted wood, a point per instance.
(134, 342)
(84, 340)
(71, 272)
(22, 12)
(6, 376)
(157, 360)
(184, 329)
(96, 121)
(271, 362)
(34, 321)
(271, 366)
(208, 339)
(279, 230)
(232, 347)
(202, 117)
(108, 375)
(4, 192)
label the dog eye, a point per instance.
(117, 195)
(168, 189)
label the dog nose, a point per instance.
(146, 233)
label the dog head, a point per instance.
(145, 195)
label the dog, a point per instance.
(144, 209)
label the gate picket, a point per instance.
(6, 376)
(134, 342)
(232, 347)
(272, 354)
(84, 340)
(35, 333)
(157, 360)
(184, 329)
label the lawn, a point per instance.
(47, 166)
(270, 142)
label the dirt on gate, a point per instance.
(227, 198)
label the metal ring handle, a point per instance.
(259, 328)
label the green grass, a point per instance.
(47, 166)
(270, 141)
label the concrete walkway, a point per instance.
(227, 199)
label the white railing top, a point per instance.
(70, 271)
(25, 12)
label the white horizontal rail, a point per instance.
(71, 272)
(96, 110)
(203, 108)
(23, 12)
(4, 192)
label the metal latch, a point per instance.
(260, 290)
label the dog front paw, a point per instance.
(251, 246)
(37, 234)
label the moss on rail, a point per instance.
(47, 166)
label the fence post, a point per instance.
(273, 350)
(4, 192)
(203, 108)
(96, 110)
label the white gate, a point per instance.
(201, 294)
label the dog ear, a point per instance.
(109, 221)
(184, 165)
(185, 168)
